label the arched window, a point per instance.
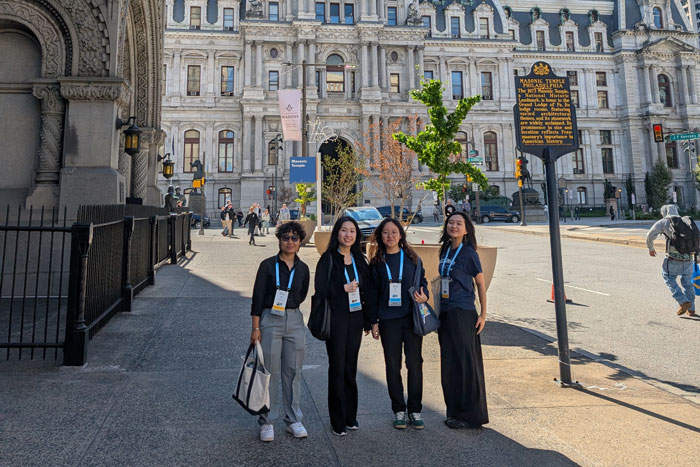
(664, 90)
(491, 151)
(658, 18)
(581, 194)
(191, 149)
(226, 151)
(335, 74)
(461, 138)
(224, 196)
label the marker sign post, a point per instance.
(302, 170)
(545, 126)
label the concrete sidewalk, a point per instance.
(157, 391)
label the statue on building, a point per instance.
(171, 199)
(254, 9)
(412, 16)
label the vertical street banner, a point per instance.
(290, 113)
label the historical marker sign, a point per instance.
(302, 170)
(545, 118)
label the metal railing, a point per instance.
(54, 296)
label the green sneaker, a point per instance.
(400, 420)
(416, 421)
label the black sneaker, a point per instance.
(353, 426)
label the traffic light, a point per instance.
(689, 147)
(658, 133)
(519, 171)
(464, 188)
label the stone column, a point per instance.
(301, 68)
(654, 84)
(246, 155)
(691, 84)
(176, 73)
(411, 72)
(45, 192)
(375, 64)
(258, 143)
(445, 78)
(373, 7)
(311, 77)
(381, 11)
(290, 12)
(289, 57)
(683, 86)
(382, 68)
(247, 62)
(259, 64)
(323, 84)
(421, 66)
(139, 167)
(364, 64)
(154, 195)
(210, 72)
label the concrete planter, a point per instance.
(321, 240)
(309, 227)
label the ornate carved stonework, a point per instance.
(93, 36)
(139, 171)
(92, 90)
(51, 133)
(125, 168)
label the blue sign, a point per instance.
(302, 170)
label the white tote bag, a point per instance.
(253, 386)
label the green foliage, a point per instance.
(656, 185)
(608, 190)
(697, 175)
(435, 146)
(455, 192)
(341, 184)
(305, 196)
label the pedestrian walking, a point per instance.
(392, 269)
(562, 217)
(252, 221)
(239, 216)
(224, 221)
(612, 213)
(281, 285)
(284, 214)
(436, 213)
(265, 222)
(449, 208)
(461, 361)
(344, 288)
(577, 213)
(682, 246)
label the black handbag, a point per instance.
(425, 320)
(320, 317)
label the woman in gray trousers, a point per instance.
(281, 285)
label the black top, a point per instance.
(265, 284)
(378, 288)
(466, 267)
(251, 218)
(333, 289)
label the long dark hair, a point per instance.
(469, 238)
(378, 249)
(355, 248)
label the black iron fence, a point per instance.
(59, 283)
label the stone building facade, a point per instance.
(632, 64)
(70, 69)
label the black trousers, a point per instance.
(395, 334)
(462, 367)
(343, 349)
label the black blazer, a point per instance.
(333, 289)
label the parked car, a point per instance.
(496, 213)
(196, 218)
(367, 217)
(293, 214)
(386, 212)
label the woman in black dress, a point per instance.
(461, 362)
(252, 220)
(344, 287)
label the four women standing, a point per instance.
(376, 296)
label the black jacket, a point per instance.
(266, 285)
(334, 290)
(252, 219)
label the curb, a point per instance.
(632, 242)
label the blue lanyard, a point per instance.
(388, 272)
(347, 278)
(452, 263)
(277, 275)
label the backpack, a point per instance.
(685, 236)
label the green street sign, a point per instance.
(684, 136)
(475, 160)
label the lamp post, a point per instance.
(278, 147)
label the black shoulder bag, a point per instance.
(320, 317)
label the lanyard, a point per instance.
(452, 263)
(347, 278)
(277, 275)
(388, 272)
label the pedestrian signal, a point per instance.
(658, 133)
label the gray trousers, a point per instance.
(283, 340)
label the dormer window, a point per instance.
(427, 23)
(195, 17)
(483, 27)
(454, 27)
(658, 18)
(228, 19)
(391, 16)
(274, 11)
(570, 41)
(598, 38)
(539, 36)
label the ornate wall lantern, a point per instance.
(168, 166)
(132, 136)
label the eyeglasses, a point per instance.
(290, 238)
(386, 233)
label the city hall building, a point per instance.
(631, 64)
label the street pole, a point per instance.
(204, 199)
(304, 149)
(478, 207)
(522, 207)
(274, 178)
(557, 272)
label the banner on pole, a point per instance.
(290, 113)
(302, 170)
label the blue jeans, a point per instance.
(673, 269)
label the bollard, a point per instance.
(127, 288)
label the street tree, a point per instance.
(342, 179)
(435, 145)
(392, 162)
(285, 195)
(306, 194)
(656, 185)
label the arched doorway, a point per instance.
(331, 147)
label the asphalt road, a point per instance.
(623, 311)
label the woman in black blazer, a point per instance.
(251, 220)
(344, 288)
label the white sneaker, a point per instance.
(298, 430)
(267, 433)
